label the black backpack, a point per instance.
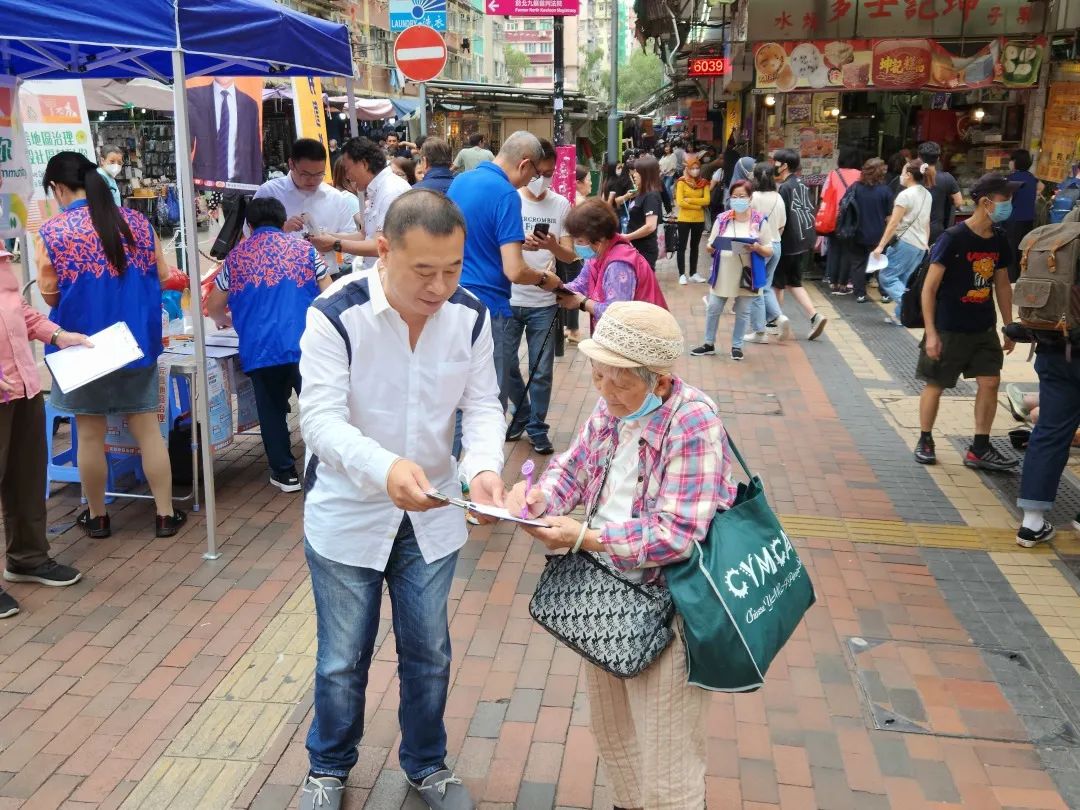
(847, 217)
(911, 314)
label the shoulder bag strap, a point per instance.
(914, 219)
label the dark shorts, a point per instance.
(789, 271)
(973, 354)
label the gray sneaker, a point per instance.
(444, 791)
(324, 793)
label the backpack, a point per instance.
(847, 217)
(911, 314)
(825, 221)
(1048, 290)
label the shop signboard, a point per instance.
(865, 19)
(1061, 132)
(532, 8)
(15, 187)
(699, 109)
(407, 13)
(894, 64)
(308, 114)
(708, 66)
(54, 120)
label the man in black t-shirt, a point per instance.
(944, 196)
(967, 265)
(797, 239)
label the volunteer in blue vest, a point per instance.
(488, 198)
(387, 357)
(268, 281)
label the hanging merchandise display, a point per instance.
(895, 64)
(1061, 132)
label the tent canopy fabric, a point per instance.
(65, 39)
(111, 94)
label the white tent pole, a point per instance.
(350, 93)
(185, 187)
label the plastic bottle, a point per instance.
(164, 327)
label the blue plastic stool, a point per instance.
(63, 466)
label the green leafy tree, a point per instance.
(517, 65)
(593, 82)
(639, 77)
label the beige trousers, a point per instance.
(650, 732)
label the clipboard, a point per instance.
(73, 367)
(740, 246)
(486, 510)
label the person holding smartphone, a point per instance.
(534, 310)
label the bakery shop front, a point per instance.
(884, 75)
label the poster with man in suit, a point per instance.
(226, 132)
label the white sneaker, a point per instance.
(755, 337)
(682, 279)
(698, 279)
(783, 323)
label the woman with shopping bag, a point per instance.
(651, 466)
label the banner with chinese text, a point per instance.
(564, 180)
(1061, 132)
(870, 19)
(54, 120)
(15, 188)
(894, 64)
(308, 115)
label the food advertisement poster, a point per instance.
(817, 148)
(894, 64)
(1061, 132)
(15, 190)
(798, 108)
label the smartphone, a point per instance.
(541, 229)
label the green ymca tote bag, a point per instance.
(741, 593)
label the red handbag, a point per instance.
(825, 221)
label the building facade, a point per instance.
(535, 37)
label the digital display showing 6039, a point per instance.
(709, 66)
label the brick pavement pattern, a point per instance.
(165, 681)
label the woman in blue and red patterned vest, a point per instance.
(100, 264)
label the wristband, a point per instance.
(543, 279)
(581, 306)
(580, 538)
(55, 335)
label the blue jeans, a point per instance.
(1059, 417)
(347, 601)
(669, 184)
(536, 323)
(765, 308)
(742, 318)
(904, 259)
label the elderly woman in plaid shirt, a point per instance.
(653, 458)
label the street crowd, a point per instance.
(399, 322)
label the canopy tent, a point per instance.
(171, 40)
(114, 94)
(378, 109)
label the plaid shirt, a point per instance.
(684, 475)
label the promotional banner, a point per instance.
(1061, 132)
(564, 181)
(894, 64)
(309, 116)
(15, 190)
(54, 120)
(225, 118)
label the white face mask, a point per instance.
(113, 169)
(538, 186)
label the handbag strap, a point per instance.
(913, 220)
(739, 457)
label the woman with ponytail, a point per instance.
(906, 239)
(99, 264)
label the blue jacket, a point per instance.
(437, 178)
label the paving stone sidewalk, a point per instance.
(165, 681)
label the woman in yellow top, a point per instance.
(692, 200)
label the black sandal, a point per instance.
(168, 525)
(97, 527)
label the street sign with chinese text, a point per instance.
(859, 19)
(532, 8)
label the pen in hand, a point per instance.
(527, 470)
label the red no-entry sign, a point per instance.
(420, 53)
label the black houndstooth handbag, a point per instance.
(619, 625)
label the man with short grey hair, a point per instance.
(488, 198)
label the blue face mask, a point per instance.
(651, 403)
(1002, 211)
(740, 205)
(584, 252)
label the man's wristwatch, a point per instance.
(337, 246)
(55, 335)
(543, 279)
(581, 306)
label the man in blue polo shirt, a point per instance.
(488, 198)
(268, 281)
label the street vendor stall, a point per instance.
(170, 40)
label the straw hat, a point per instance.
(635, 333)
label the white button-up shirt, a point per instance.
(369, 399)
(384, 188)
(327, 208)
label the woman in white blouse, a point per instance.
(910, 225)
